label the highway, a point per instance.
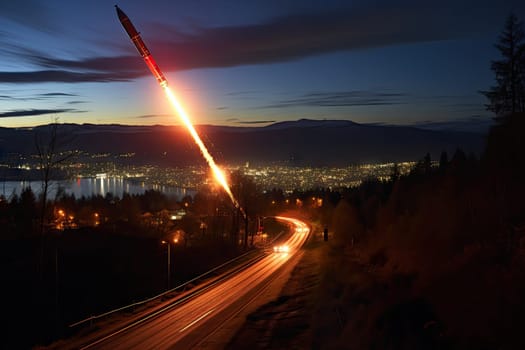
(186, 324)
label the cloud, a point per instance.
(7, 97)
(149, 116)
(33, 112)
(295, 36)
(475, 123)
(285, 38)
(56, 94)
(63, 76)
(342, 99)
(37, 97)
(256, 122)
(30, 13)
(242, 93)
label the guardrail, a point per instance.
(182, 286)
(142, 302)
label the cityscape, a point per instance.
(288, 178)
(262, 175)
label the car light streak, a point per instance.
(189, 321)
(196, 320)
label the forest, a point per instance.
(436, 259)
(430, 260)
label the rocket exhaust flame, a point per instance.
(217, 172)
(163, 82)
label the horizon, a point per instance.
(481, 128)
(251, 64)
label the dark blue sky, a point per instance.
(251, 62)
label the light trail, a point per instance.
(217, 172)
(163, 82)
(196, 320)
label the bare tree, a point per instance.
(50, 156)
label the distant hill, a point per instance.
(302, 142)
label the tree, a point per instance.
(443, 161)
(427, 163)
(508, 96)
(245, 191)
(49, 158)
(395, 174)
(346, 225)
(26, 213)
(423, 166)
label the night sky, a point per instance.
(250, 63)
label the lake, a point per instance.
(88, 187)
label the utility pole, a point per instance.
(169, 265)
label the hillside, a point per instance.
(303, 142)
(430, 260)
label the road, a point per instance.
(188, 324)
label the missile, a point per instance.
(141, 47)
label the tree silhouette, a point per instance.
(48, 146)
(26, 213)
(245, 190)
(395, 174)
(508, 96)
(443, 161)
(423, 166)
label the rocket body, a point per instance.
(141, 47)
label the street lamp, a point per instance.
(169, 274)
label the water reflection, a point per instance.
(88, 187)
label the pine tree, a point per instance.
(443, 160)
(508, 96)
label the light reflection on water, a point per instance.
(88, 187)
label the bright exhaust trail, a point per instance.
(217, 172)
(163, 82)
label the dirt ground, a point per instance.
(286, 321)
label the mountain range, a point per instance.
(301, 142)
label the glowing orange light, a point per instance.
(217, 172)
(161, 79)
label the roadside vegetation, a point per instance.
(434, 259)
(430, 260)
(77, 257)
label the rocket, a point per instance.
(150, 62)
(141, 47)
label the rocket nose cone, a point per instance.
(120, 13)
